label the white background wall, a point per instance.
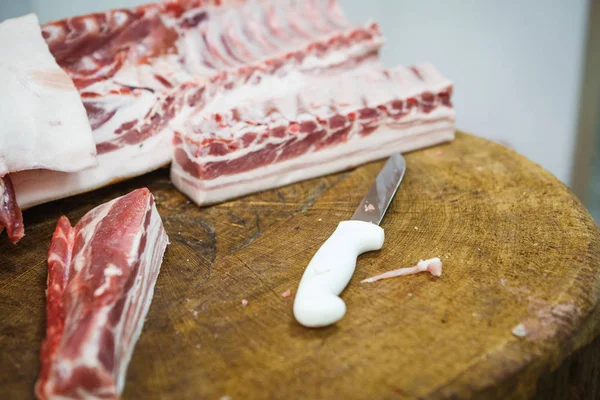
(516, 65)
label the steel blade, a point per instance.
(373, 206)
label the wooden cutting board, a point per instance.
(517, 247)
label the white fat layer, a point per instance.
(339, 57)
(40, 186)
(139, 298)
(3, 194)
(42, 119)
(379, 144)
(431, 80)
(111, 271)
(316, 89)
(270, 87)
(320, 94)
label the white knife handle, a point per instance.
(317, 302)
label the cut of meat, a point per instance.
(10, 214)
(101, 276)
(433, 266)
(285, 129)
(134, 67)
(43, 122)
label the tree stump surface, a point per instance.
(517, 247)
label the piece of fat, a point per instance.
(433, 266)
(43, 123)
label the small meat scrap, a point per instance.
(101, 276)
(286, 294)
(369, 207)
(519, 330)
(433, 266)
(244, 302)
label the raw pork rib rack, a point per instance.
(261, 91)
(101, 276)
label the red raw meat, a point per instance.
(10, 213)
(101, 276)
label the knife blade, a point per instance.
(373, 206)
(317, 302)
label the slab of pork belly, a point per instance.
(282, 129)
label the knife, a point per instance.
(317, 302)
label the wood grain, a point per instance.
(517, 248)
